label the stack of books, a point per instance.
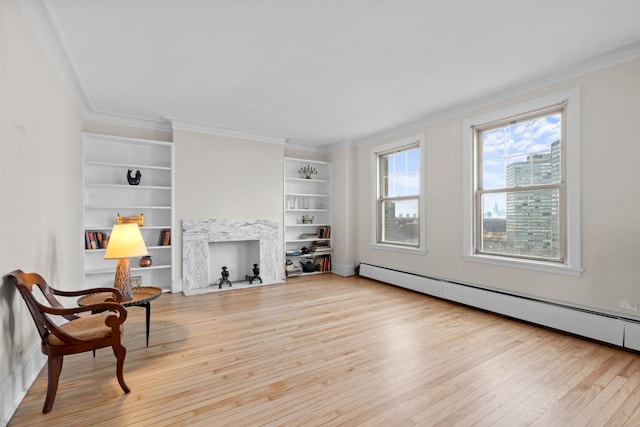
(322, 246)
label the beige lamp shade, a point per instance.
(125, 241)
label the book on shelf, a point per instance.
(165, 238)
(324, 232)
(95, 240)
(323, 263)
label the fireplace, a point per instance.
(210, 244)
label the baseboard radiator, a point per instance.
(590, 324)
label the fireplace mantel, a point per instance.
(198, 234)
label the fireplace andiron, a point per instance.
(224, 280)
(256, 275)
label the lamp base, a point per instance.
(123, 279)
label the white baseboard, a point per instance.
(632, 335)
(590, 324)
(176, 285)
(15, 386)
(343, 269)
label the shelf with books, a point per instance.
(115, 191)
(307, 214)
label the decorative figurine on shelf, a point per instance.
(256, 275)
(134, 180)
(224, 280)
(309, 266)
(306, 219)
(307, 171)
(145, 261)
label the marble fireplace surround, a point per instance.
(198, 234)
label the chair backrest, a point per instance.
(25, 282)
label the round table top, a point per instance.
(141, 295)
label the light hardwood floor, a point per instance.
(326, 350)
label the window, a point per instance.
(524, 185)
(398, 195)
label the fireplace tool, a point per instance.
(224, 280)
(256, 275)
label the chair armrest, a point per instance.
(102, 306)
(117, 296)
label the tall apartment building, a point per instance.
(532, 223)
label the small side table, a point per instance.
(142, 297)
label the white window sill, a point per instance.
(546, 267)
(395, 248)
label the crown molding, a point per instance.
(305, 146)
(540, 81)
(127, 120)
(177, 124)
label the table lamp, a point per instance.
(125, 242)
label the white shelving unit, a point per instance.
(308, 199)
(107, 193)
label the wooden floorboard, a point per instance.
(325, 350)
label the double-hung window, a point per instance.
(524, 208)
(399, 168)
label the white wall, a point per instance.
(225, 178)
(610, 206)
(343, 215)
(41, 193)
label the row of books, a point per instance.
(99, 240)
(95, 240)
(165, 238)
(323, 263)
(324, 232)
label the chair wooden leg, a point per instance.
(54, 367)
(120, 352)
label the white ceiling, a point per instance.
(318, 72)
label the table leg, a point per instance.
(147, 307)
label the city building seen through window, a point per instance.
(520, 186)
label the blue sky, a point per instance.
(513, 143)
(404, 179)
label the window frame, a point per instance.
(415, 141)
(570, 227)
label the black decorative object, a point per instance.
(224, 280)
(134, 180)
(256, 275)
(308, 267)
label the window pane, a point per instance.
(413, 160)
(530, 225)
(400, 220)
(546, 132)
(400, 173)
(400, 162)
(413, 184)
(518, 139)
(493, 144)
(522, 154)
(494, 174)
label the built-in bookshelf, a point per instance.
(108, 162)
(307, 216)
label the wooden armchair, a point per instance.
(79, 334)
